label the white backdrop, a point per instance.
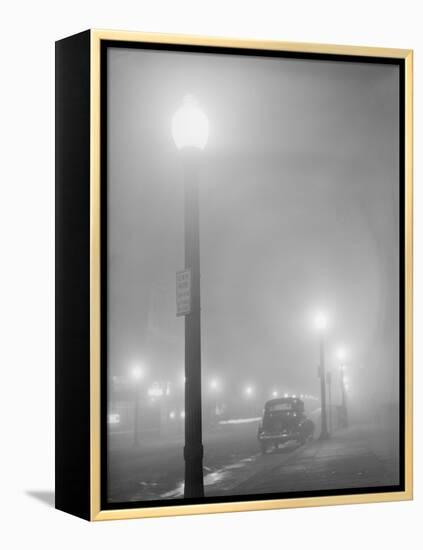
(29, 30)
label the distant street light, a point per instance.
(274, 394)
(155, 390)
(215, 389)
(342, 356)
(249, 391)
(214, 384)
(190, 129)
(329, 384)
(321, 323)
(137, 374)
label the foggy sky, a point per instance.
(299, 212)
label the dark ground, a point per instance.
(361, 456)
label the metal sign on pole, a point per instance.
(183, 292)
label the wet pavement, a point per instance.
(354, 458)
(361, 456)
(155, 468)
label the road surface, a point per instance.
(362, 456)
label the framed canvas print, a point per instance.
(233, 275)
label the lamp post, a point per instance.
(136, 375)
(249, 394)
(329, 383)
(321, 326)
(190, 133)
(214, 387)
(344, 399)
(341, 355)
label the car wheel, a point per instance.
(267, 446)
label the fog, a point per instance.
(298, 214)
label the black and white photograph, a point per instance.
(210, 275)
(251, 295)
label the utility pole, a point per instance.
(324, 426)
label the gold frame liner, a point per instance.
(96, 513)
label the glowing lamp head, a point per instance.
(137, 373)
(190, 126)
(249, 391)
(155, 391)
(321, 322)
(341, 354)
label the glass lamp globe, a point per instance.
(321, 322)
(137, 372)
(341, 354)
(190, 126)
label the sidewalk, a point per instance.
(353, 458)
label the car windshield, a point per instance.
(280, 407)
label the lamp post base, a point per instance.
(194, 478)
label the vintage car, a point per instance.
(284, 420)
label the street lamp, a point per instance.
(214, 384)
(321, 323)
(190, 126)
(330, 412)
(137, 374)
(249, 391)
(190, 129)
(215, 387)
(341, 355)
